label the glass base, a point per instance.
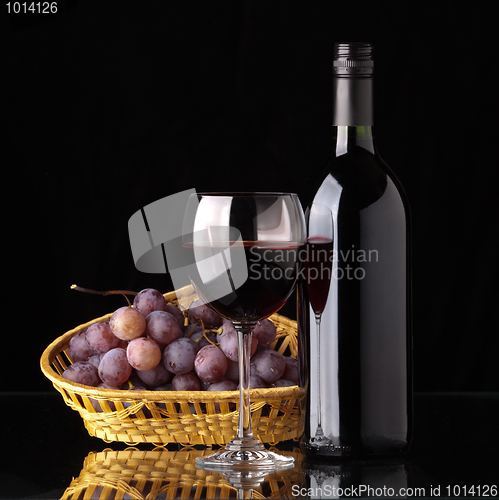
(320, 440)
(245, 454)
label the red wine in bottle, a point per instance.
(366, 339)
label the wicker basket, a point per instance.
(185, 417)
(138, 474)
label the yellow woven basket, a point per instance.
(158, 473)
(185, 417)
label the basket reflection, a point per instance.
(159, 473)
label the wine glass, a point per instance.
(319, 266)
(242, 254)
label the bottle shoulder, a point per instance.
(361, 177)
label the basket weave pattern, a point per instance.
(185, 417)
(138, 474)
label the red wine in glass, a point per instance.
(272, 268)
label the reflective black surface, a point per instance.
(456, 443)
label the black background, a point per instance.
(109, 106)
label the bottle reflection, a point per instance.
(383, 478)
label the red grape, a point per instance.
(95, 359)
(210, 363)
(149, 300)
(78, 349)
(208, 316)
(102, 385)
(223, 385)
(229, 343)
(166, 387)
(256, 382)
(177, 313)
(232, 372)
(269, 365)
(162, 327)
(185, 382)
(127, 323)
(100, 337)
(143, 354)
(291, 370)
(282, 382)
(179, 356)
(265, 331)
(82, 372)
(156, 377)
(114, 368)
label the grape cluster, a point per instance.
(149, 347)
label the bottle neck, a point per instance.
(353, 114)
(352, 101)
(347, 138)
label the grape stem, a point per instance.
(199, 322)
(106, 292)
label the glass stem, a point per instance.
(319, 432)
(244, 494)
(244, 429)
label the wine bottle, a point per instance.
(366, 335)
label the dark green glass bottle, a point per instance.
(366, 337)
